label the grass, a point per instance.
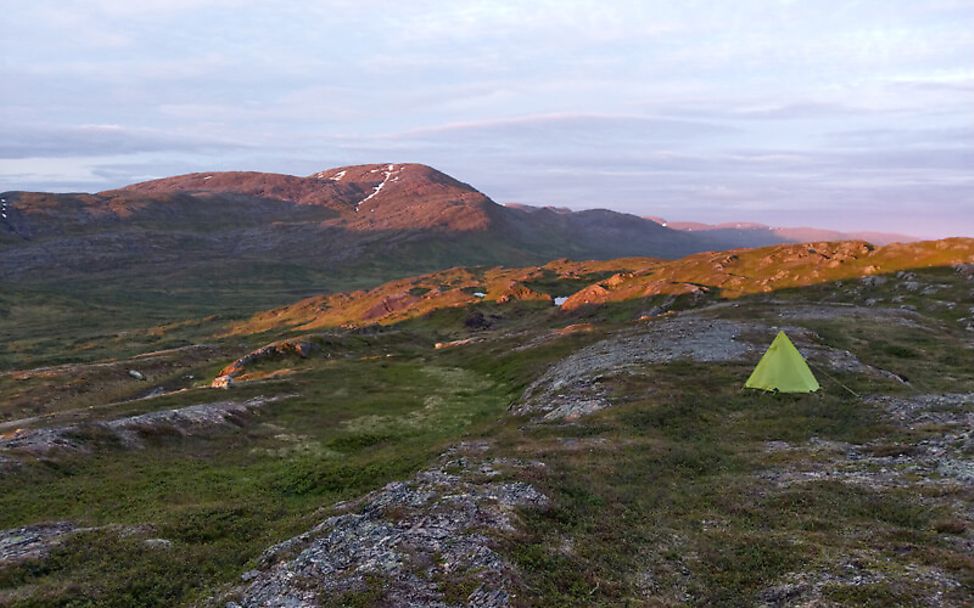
(672, 508)
(931, 355)
(221, 499)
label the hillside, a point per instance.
(734, 273)
(83, 269)
(580, 285)
(415, 297)
(92, 266)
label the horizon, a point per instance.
(851, 117)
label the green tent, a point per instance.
(783, 369)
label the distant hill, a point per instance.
(726, 274)
(747, 271)
(751, 234)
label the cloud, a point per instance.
(43, 141)
(525, 136)
(953, 136)
(120, 9)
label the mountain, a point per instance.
(364, 197)
(393, 218)
(751, 234)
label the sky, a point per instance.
(846, 114)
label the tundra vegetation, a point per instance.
(598, 453)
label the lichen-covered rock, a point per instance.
(404, 541)
(940, 456)
(32, 542)
(571, 387)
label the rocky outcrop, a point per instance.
(36, 541)
(938, 456)
(427, 542)
(130, 432)
(276, 350)
(32, 542)
(223, 382)
(390, 304)
(518, 292)
(571, 388)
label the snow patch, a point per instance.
(338, 176)
(207, 177)
(479, 294)
(386, 175)
(560, 300)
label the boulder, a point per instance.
(223, 382)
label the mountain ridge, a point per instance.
(756, 234)
(391, 214)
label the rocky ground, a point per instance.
(572, 387)
(937, 449)
(43, 391)
(426, 542)
(402, 542)
(32, 542)
(937, 464)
